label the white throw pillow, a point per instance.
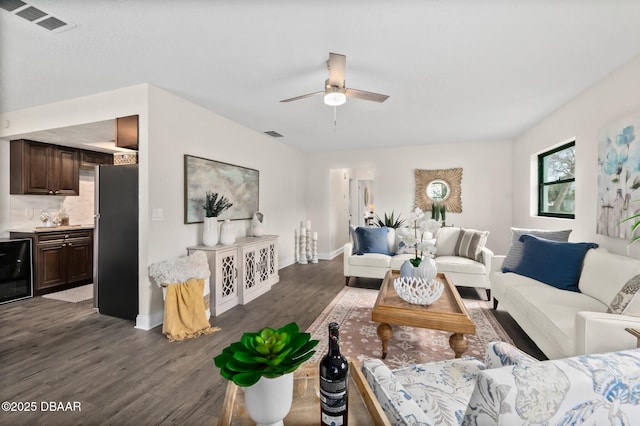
(446, 240)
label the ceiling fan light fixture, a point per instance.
(335, 98)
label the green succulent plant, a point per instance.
(390, 221)
(268, 353)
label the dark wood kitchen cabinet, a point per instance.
(90, 159)
(43, 169)
(62, 259)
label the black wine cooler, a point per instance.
(16, 275)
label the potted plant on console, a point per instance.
(213, 206)
(263, 364)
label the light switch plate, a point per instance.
(157, 214)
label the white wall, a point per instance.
(178, 127)
(486, 185)
(582, 118)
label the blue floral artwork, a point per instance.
(619, 177)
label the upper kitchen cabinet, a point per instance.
(90, 159)
(43, 169)
(127, 132)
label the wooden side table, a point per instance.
(364, 408)
(635, 332)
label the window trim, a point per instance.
(542, 184)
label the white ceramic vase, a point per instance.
(268, 402)
(427, 269)
(407, 269)
(227, 233)
(257, 225)
(210, 232)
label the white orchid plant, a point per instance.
(421, 225)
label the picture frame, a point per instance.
(240, 185)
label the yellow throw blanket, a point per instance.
(184, 311)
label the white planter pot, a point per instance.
(210, 232)
(268, 402)
(227, 233)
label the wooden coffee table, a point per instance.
(448, 313)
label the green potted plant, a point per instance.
(390, 221)
(213, 207)
(263, 364)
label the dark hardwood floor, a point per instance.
(53, 351)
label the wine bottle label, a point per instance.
(332, 420)
(333, 396)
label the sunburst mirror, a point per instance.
(439, 186)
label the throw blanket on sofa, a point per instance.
(184, 311)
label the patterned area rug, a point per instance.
(351, 308)
(73, 295)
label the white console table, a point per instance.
(242, 271)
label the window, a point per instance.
(557, 182)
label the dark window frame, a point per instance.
(542, 184)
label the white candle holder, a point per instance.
(314, 251)
(302, 257)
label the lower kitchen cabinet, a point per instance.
(242, 271)
(62, 259)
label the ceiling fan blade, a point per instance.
(367, 96)
(308, 95)
(336, 66)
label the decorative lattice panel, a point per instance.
(264, 260)
(249, 268)
(272, 259)
(228, 276)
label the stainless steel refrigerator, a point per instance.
(116, 241)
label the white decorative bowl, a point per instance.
(418, 290)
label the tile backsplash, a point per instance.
(25, 209)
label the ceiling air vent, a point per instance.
(35, 15)
(273, 133)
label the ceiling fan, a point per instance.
(335, 92)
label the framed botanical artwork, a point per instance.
(619, 177)
(238, 184)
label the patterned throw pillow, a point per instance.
(470, 244)
(515, 251)
(627, 301)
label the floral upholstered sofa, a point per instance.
(511, 388)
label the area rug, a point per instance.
(73, 295)
(351, 308)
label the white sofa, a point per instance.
(566, 323)
(463, 271)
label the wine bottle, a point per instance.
(334, 383)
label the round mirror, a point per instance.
(438, 190)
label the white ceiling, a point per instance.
(455, 70)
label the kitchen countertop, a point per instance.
(40, 229)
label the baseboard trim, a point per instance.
(333, 254)
(147, 322)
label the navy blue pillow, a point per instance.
(372, 240)
(556, 263)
